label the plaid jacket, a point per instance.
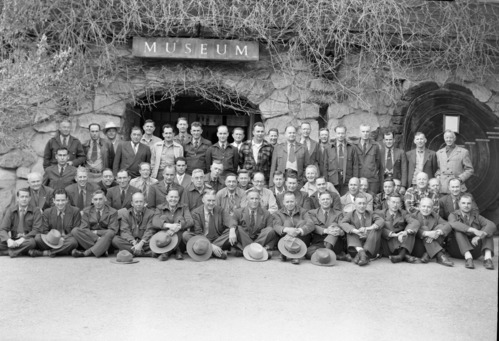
(413, 197)
(246, 160)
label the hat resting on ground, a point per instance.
(255, 252)
(324, 257)
(292, 247)
(53, 239)
(161, 242)
(199, 248)
(124, 257)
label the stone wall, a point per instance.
(282, 98)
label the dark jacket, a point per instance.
(75, 149)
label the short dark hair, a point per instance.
(180, 158)
(340, 126)
(98, 191)
(149, 121)
(24, 189)
(196, 124)
(94, 124)
(165, 126)
(273, 129)
(258, 124)
(60, 191)
(243, 171)
(277, 173)
(182, 119)
(389, 132)
(291, 176)
(62, 148)
(136, 128)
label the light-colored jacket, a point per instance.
(457, 164)
(156, 151)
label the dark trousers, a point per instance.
(390, 246)
(97, 243)
(318, 241)
(21, 250)
(459, 243)
(69, 245)
(121, 243)
(421, 246)
(266, 237)
(371, 244)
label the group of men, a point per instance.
(313, 199)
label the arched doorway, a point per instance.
(425, 110)
(194, 109)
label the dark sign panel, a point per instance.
(193, 48)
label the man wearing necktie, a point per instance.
(19, 226)
(367, 156)
(195, 150)
(120, 196)
(80, 193)
(420, 159)
(61, 217)
(144, 182)
(339, 169)
(60, 175)
(164, 153)
(183, 137)
(231, 196)
(449, 203)
(99, 153)
(393, 161)
(41, 196)
(363, 229)
(99, 225)
(473, 234)
(76, 155)
(311, 145)
(130, 154)
(159, 191)
(224, 152)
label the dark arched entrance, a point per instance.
(425, 108)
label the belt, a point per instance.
(94, 171)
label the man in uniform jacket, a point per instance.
(393, 160)
(195, 150)
(342, 158)
(348, 200)
(120, 196)
(130, 154)
(99, 153)
(321, 188)
(99, 225)
(61, 175)
(41, 196)
(311, 145)
(450, 202)
(419, 160)
(80, 193)
(76, 155)
(302, 199)
(367, 159)
(107, 180)
(19, 227)
(158, 191)
(222, 151)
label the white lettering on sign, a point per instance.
(204, 48)
(174, 47)
(218, 49)
(150, 49)
(188, 48)
(239, 51)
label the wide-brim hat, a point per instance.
(324, 257)
(199, 248)
(255, 252)
(124, 257)
(53, 239)
(110, 125)
(161, 242)
(292, 247)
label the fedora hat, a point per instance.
(161, 242)
(255, 252)
(110, 125)
(53, 239)
(292, 247)
(199, 248)
(124, 257)
(324, 257)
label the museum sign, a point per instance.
(193, 48)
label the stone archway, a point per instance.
(423, 108)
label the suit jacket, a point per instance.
(71, 219)
(336, 205)
(192, 198)
(73, 192)
(126, 158)
(228, 156)
(241, 220)
(195, 157)
(368, 164)
(104, 187)
(186, 181)
(457, 164)
(297, 219)
(222, 222)
(32, 223)
(431, 223)
(352, 221)
(114, 197)
(187, 138)
(349, 161)
(52, 179)
(75, 149)
(106, 151)
(430, 164)
(399, 161)
(447, 205)
(131, 229)
(157, 193)
(459, 223)
(302, 200)
(313, 153)
(319, 220)
(402, 221)
(348, 204)
(108, 220)
(156, 153)
(44, 197)
(280, 158)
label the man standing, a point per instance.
(363, 229)
(348, 200)
(181, 177)
(472, 233)
(121, 196)
(255, 155)
(111, 132)
(144, 182)
(107, 180)
(420, 160)
(159, 191)
(222, 151)
(80, 193)
(20, 225)
(134, 224)
(62, 217)
(61, 175)
(148, 138)
(367, 159)
(238, 136)
(342, 151)
(194, 193)
(195, 150)
(41, 196)
(230, 197)
(431, 234)
(76, 156)
(414, 195)
(453, 162)
(393, 160)
(164, 153)
(289, 156)
(311, 145)
(322, 150)
(214, 177)
(129, 155)
(183, 136)
(99, 153)
(273, 136)
(99, 224)
(267, 199)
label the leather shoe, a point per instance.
(238, 253)
(344, 257)
(412, 259)
(363, 260)
(395, 258)
(295, 261)
(487, 264)
(35, 253)
(77, 253)
(468, 263)
(442, 259)
(163, 257)
(283, 258)
(425, 259)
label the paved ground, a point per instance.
(93, 299)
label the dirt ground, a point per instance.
(94, 299)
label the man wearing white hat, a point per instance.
(111, 131)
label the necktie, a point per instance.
(389, 162)
(326, 216)
(98, 216)
(342, 156)
(196, 144)
(122, 197)
(135, 147)
(182, 138)
(66, 141)
(363, 148)
(81, 200)
(456, 206)
(93, 156)
(167, 188)
(232, 203)
(35, 198)
(363, 220)
(212, 234)
(222, 145)
(252, 219)
(61, 171)
(20, 226)
(144, 189)
(292, 156)
(59, 226)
